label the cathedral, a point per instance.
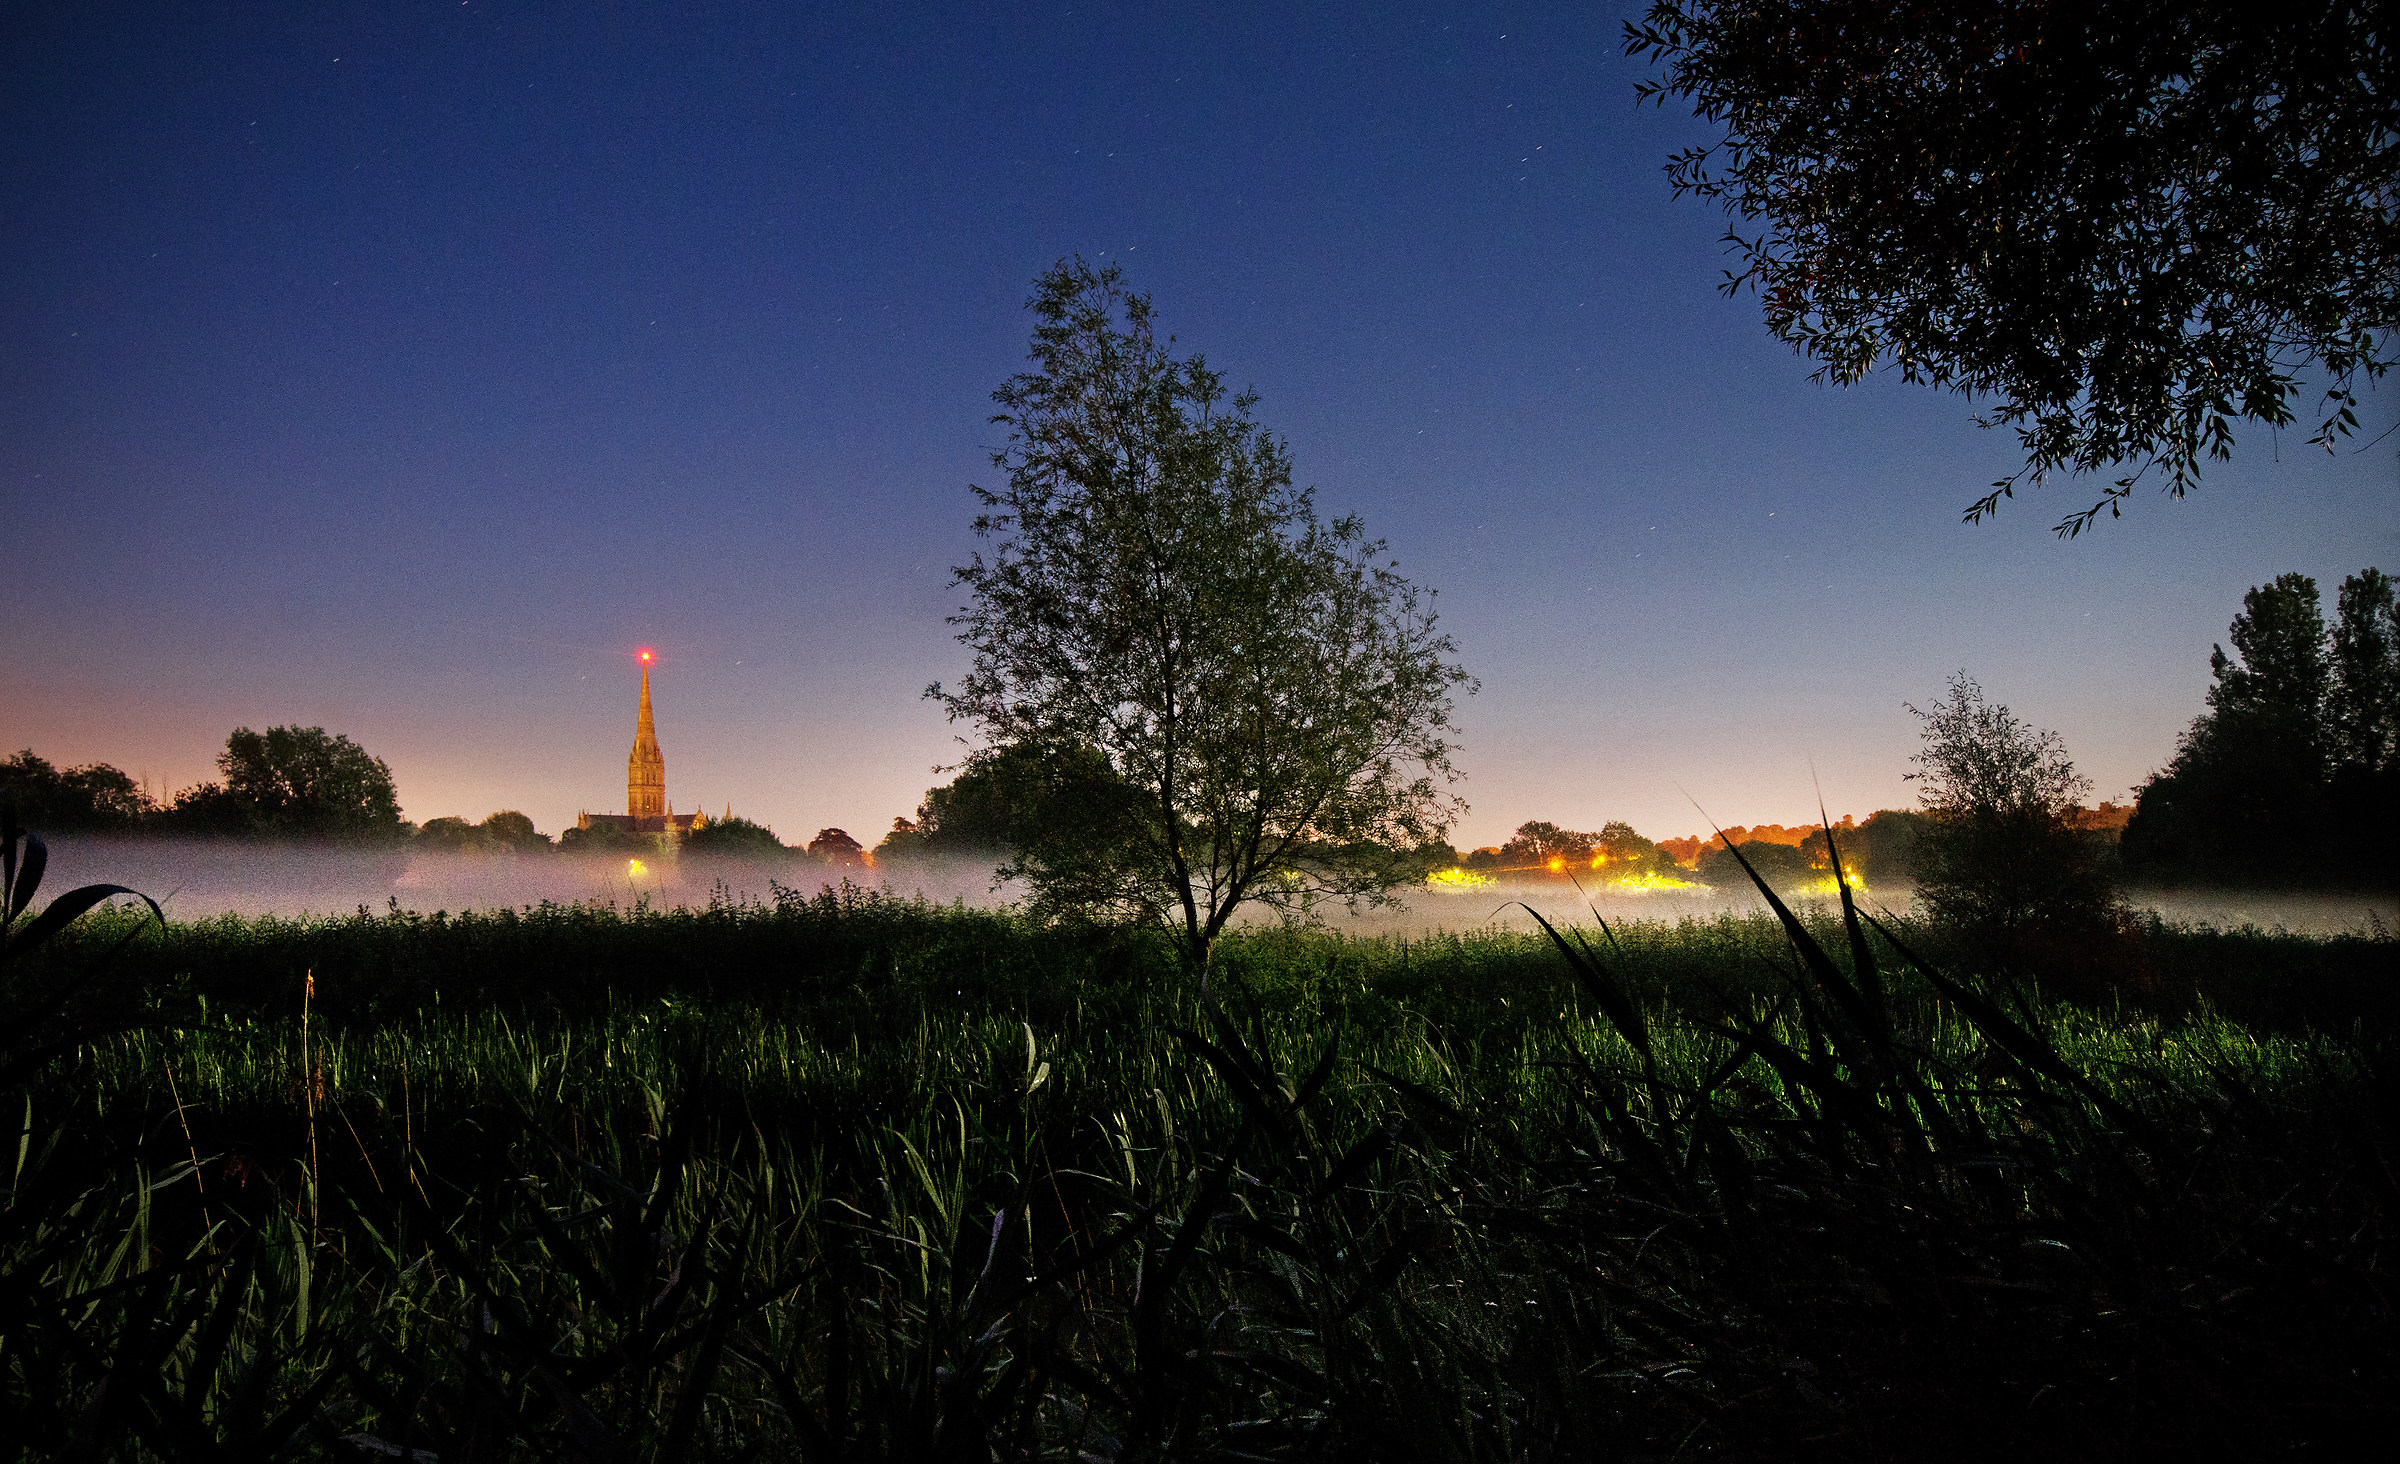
(646, 807)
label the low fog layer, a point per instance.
(194, 881)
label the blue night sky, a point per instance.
(400, 368)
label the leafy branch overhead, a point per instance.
(1236, 700)
(2125, 224)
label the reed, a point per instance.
(843, 1178)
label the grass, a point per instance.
(848, 1178)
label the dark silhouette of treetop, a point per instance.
(2125, 224)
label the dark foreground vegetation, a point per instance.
(843, 1178)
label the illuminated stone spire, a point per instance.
(646, 769)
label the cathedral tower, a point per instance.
(646, 769)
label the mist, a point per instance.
(200, 879)
(197, 880)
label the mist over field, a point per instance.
(197, 880)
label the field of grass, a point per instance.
(841, 1177)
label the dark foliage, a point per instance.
(292, 783)
(2124, 223)
(835, 846)
(1784, 866)
(735, 837)
(2291, 776)
(1001, 800)
(93, 797)
(506, 832)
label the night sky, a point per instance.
(401, 368)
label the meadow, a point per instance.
(842, 1176)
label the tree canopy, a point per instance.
(978, 814)
(305, 782)
(507, 831)
(2124, 224)
(2292, 773)
(835, 846)
(95, 796)
(1241, 701)
(735, 837)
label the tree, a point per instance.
(2282, 673)
(1240, 703)
(2243, 797)
(305, 782)
(509, 829)
(607, 839)
(2363, 715)
(449, 832)
(1540, 842)
(1620, 853)
(205, 810)
(1999, 851)
(2124, 223)
(1783, 866)
(94, 796)
(836, 847)
(977, 814)
(735, 837)
(505, 832)
(2289, 776)
(1885, 845)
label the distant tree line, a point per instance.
(307, 784)
(2292, 774)
(285, 782)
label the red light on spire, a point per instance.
(645, 655)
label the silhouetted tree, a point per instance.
(92, 797)
(836, 847)
(1623, 854)
(205, 810)
(506, 832)
(736, 837)
(998, 797)
(1541, 842)
(2125, 223)
(1269, 699)
(1999, 850)
(1784, 866)
(2363, 715)
(606, 839)
(1884, 847)
(509, 829)
(2288, 777)
(448, 832)
(304, 782)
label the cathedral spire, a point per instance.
(646, 769)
